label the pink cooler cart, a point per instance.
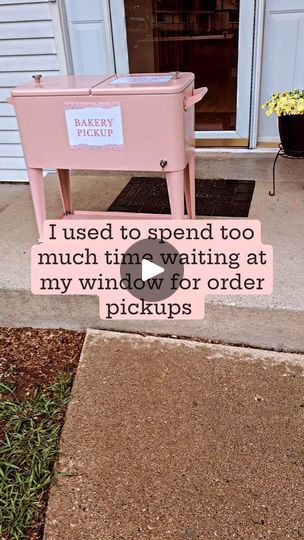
(138, 122)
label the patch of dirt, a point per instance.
(35, 358)
(32, 358)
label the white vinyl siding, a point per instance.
(24, 47)
(27, 46)
(32, 29)
(13, 2)
(13, 150)
(9, 137)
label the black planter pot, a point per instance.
(291, 128)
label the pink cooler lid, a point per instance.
(71, 85)
(145, 83)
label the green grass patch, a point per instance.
(29, 433)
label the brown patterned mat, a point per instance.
(228, 198)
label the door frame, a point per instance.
(239, 136)
(60, 25)
(257, 72)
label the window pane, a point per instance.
(183, 35)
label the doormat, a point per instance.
(227, 198)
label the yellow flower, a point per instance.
(285, 103)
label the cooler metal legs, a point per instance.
(190, 188)
(187, 192)
(181, 184)
(38, 197)
(65, 189)
(192, 185)
(175, 186)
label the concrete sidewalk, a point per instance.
(171, 439)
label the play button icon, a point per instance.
(151, 271)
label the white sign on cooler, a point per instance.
(97, 124)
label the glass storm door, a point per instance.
(212, 38)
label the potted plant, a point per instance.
(289, 107)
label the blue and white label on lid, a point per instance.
(143, 79)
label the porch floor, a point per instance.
(275, 321)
